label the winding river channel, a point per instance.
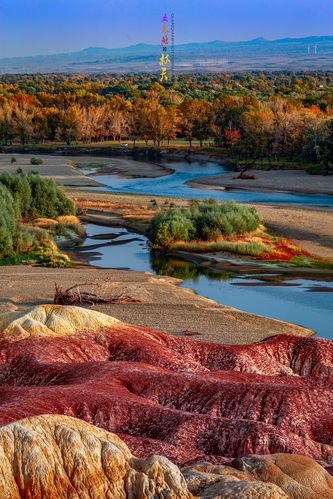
(305, 300)
(176, 185)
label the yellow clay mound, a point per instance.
(52, 320)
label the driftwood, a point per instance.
(245, 176)
(74, 296)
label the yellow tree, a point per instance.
(70, 124)
(7, 126)
(196, 119)
(258, 128)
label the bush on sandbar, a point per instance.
(205, 221)
(36, 161)
(170, 226)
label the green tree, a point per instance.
(8, 224)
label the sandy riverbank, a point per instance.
(123, 167)
(69, 170)
(309, 226)
(294, 181)
(162, 304)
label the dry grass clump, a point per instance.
(31, 238)
(68, 220)
(258, 245)
(128, 211)
(64, 225)
(44, 223)
(249, 248)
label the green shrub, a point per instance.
(44, 202)
(48, 200)
(170, 226)
(24, 197)
(13, 160)
(36, 161)
(64, 204)
(8, 224)
(214, 220)
(207, 220)
(320, 169)
(37, 196)
(19, 187)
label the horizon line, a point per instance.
(69, 52)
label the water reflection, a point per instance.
(182, 269)
(304, 301)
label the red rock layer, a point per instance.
(181, 398)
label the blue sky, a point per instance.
(30, 27)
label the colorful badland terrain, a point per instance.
(192, 402)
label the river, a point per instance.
(175, 185)
(304, 301)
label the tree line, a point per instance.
(293, 124)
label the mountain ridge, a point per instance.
(270, 54)
(94, 49)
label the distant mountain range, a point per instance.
(311, 53)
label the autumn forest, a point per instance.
(250, 116)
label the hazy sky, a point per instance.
(29, 27)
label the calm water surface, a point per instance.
(308, 302)
(175, 185)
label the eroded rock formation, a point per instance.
(60, 457)
(205, 480)
(299, 476)
(182, 398)
(51, 457)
